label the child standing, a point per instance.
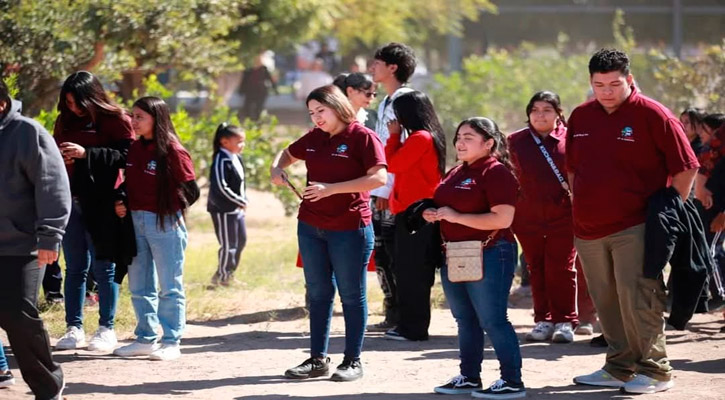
(228, 200)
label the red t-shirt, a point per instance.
(543, 206)
(141, 174)
(619, 160)
(338, 158)
(415, 165)
(712, 152)
(107, 130)
(474, 189)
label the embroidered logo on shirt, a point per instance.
(581, 134)
(310, 150)
(341, 151)
(466, 184)
(627, 134)
(151, 168)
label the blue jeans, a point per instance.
(3, 359)
(79, 258)
(333, 258)
(159, 257)
(480, 307)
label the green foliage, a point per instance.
(361, 22)
(12, 84)
(500, 84)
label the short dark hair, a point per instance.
(608, 60)
(400, 55)
(331, 96)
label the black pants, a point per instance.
(253, 106)
(384, 228)
(231, 231)
(414, 274)
(20, 280)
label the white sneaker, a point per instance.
(542, 331)
(643, 384)
(563, 333)
(167, 352)
(103, 340)
(599, 378)
(74, 338)
(585, 329)
(136, 349)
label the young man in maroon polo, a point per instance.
(622, 147)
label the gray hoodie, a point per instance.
(34, 191)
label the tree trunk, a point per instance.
(131, 81)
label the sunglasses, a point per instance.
(369, 94)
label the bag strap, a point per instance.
(484, 243)
(551, 163)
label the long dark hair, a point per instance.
(548, 97)
(224, 130)
(89, 96)
(415, 112)
(489, 130)
(164, 138)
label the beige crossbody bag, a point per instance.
(464, 260)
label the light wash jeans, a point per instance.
(160, 257)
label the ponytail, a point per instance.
(225, 130)
(489, 130)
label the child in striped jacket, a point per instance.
(228, 200)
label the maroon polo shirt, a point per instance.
(543, 207)
(619, 160)
(336, 158)
(107, 129)
(474, 189)
(141, 174)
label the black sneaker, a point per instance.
(459, 385)
(349, 370)
(311, 368)
(501, 390)
(54, 298)
(393, 334)
(6, 379)
(599, 341)
(383, 326)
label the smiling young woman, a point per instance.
(344, 162)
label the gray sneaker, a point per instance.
(643, 384)
(599, 378)
(349, 370)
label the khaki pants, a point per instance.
(630, 306)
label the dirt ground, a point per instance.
(243, 357)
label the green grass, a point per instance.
(267, 274)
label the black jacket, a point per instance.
(414, 221)
(227, 191)
(94, 180)
(674, 234)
